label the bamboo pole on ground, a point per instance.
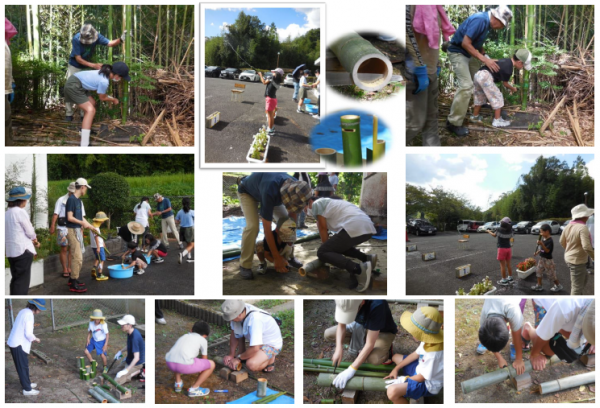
(569, 382)
(94, 393)
(356, 383)
(345, 364)
(111, 398)
(552, 114)
(153, 128)
(113, 382)
(332, 370)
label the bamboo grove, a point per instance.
(159, 40)
(561, 39)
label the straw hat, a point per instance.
(100, 217)
(71, 188)
(581, 211)
(425, 325)
(97, 315)
(136, 228)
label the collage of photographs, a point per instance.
(482, 115)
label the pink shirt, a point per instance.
(18, 232)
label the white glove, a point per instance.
(342, 379)
(118, 355)
(121, 374)
(123, 36)
(396, 381)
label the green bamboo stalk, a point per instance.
(106, 387)
(351, 140)
(167, 48)
(574, 27)
(110, 31)
(530, 28)
(359, 373)
(356, 383)
(125, 100)
(113, 382)
(182, 37)
(566, 27)
(111, 398)
(327, 401)
(344, 364)
(269, 398)
(94, 393)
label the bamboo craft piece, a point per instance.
(98, 396)
(378, 145)
(111, 398)
(116, 384)
(310, 266)
(359, 373)
(269, 399)
(261, 388)
(351, 140)
(345, 364)
(356, 383)
(565, 383)
(236, 367)
(358, 56)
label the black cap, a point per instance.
(132, 244)
(306, 71)
(121, 69)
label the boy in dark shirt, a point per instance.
(285, 236)
(546, 263)
(137, 258)
(156, 248)
(485, 89)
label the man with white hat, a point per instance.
(372, 331)
(59, 225)
(466, 55)
(136, 351)
(575, 239)
(259, 328)
(75, 222)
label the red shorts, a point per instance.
(270, 104)
(504, 254)
(161, 253)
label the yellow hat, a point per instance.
(100, 217)
(425, 325)
(97, 315)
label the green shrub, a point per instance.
(109, 193)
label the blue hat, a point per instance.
(39, 303)
(18, 193)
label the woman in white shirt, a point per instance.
(143, 212)
(20, 339)
(20, 241)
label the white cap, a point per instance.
(82, 182)
(71, 188)
(502, 13)
(346, 310)
(127, 319)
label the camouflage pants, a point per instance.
(486, 90)
(546, 266)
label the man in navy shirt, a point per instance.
(279, 195)
(84, 44)
(75, 222)
(466, 55)
(136, 351)
(165, 210)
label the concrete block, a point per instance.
(411, 247)
(224, 373)
(464, 270)
(589, 360)
(428, 256)
(238, 376)
(522, 381)
(349, 396)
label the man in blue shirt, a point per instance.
(75, 222)
(279, 195)
(83, 47)
(466, 54)
(163, 207)
(136, 351)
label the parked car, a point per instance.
(473, 226)
(212, 71)
(249, 75)
(562, 227)
(231, 73)
(421, 227)
(267, 75)
(462, 225)
(523, 227)
(554, 227)
(288, 80)
(489, 226)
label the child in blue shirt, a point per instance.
(185, 219)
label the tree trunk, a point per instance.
(512, 32)
(174, 57)
(529, 37)
(167, 38)
(159, 38)
(110, 33)
(35, 20)
(125, 99)
(50, 34)
(574, 29)
(560, 27)
(156, 32)
(182, 36)
(187, 59)
(82, 16)
(29, 42)
(71, 34)
(566, 27)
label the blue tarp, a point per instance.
(382, 235)
(250, 398)
(329, 132)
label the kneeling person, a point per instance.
(285, 236)
(136, 351)
(138, 260)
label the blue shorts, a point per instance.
(415, 390)
(99, 256)
(98, 345)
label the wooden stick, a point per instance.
(153, 128)
(576, 118)
(552, 114)
(174, 135)
(573, 127)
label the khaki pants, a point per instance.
(132, 373)
(358, 335)
(422, 112)
(8, 123)
(250, 209)
(578, 278)
(70, 107)
(464, 70)
(165, 224)
(75, 251)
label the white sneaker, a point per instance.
(161, 321)
(500, 123)
(190, 261)
(180, 258)
(32, 392)
(365, 277)
(33, 385)
(181, 245)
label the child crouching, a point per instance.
(423, 369)
(183, 359)
(138, 260)
(285, 236)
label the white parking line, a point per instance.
(447, 260)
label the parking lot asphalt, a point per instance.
(229, 140)
(437, 277)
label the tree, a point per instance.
(110, 192)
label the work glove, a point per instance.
(11, 96)
(439, 69)
(121, 374)
(342, 379)
(399, 380)
(118, 355)
(421, 79)
(123, 36)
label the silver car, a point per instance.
(289, 80)
(554, 227)
(249, 75)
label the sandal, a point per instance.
(265, 370)
(66, 275)
(390, 355)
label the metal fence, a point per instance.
(73, 312)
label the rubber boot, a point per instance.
(85, 137)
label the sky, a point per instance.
(478, 176)
(289, 21)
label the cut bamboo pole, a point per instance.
(153, 128)
(356, 383)
(111, 398)
(565, 383)
(219, 360)
(116, 384)
(345, 364)
(358, 373)
(351, 140)
(358, 56)
(552, 114)
(575, 130)
(98, 396)
(261, 388)
(310, 266)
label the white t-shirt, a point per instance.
(141, 213)
(99, 332)
(431, 367)
(93, 239)
(342, 215)
(545, 303)
(507, 308)
(258, 328)
(302, 80)
(561, 315)
(60, 209)
(187, 348)
(334, 181)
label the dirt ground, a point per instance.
(58, 382)
(318, 316)
(292, 283)
(469, 364)
(177, 325)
